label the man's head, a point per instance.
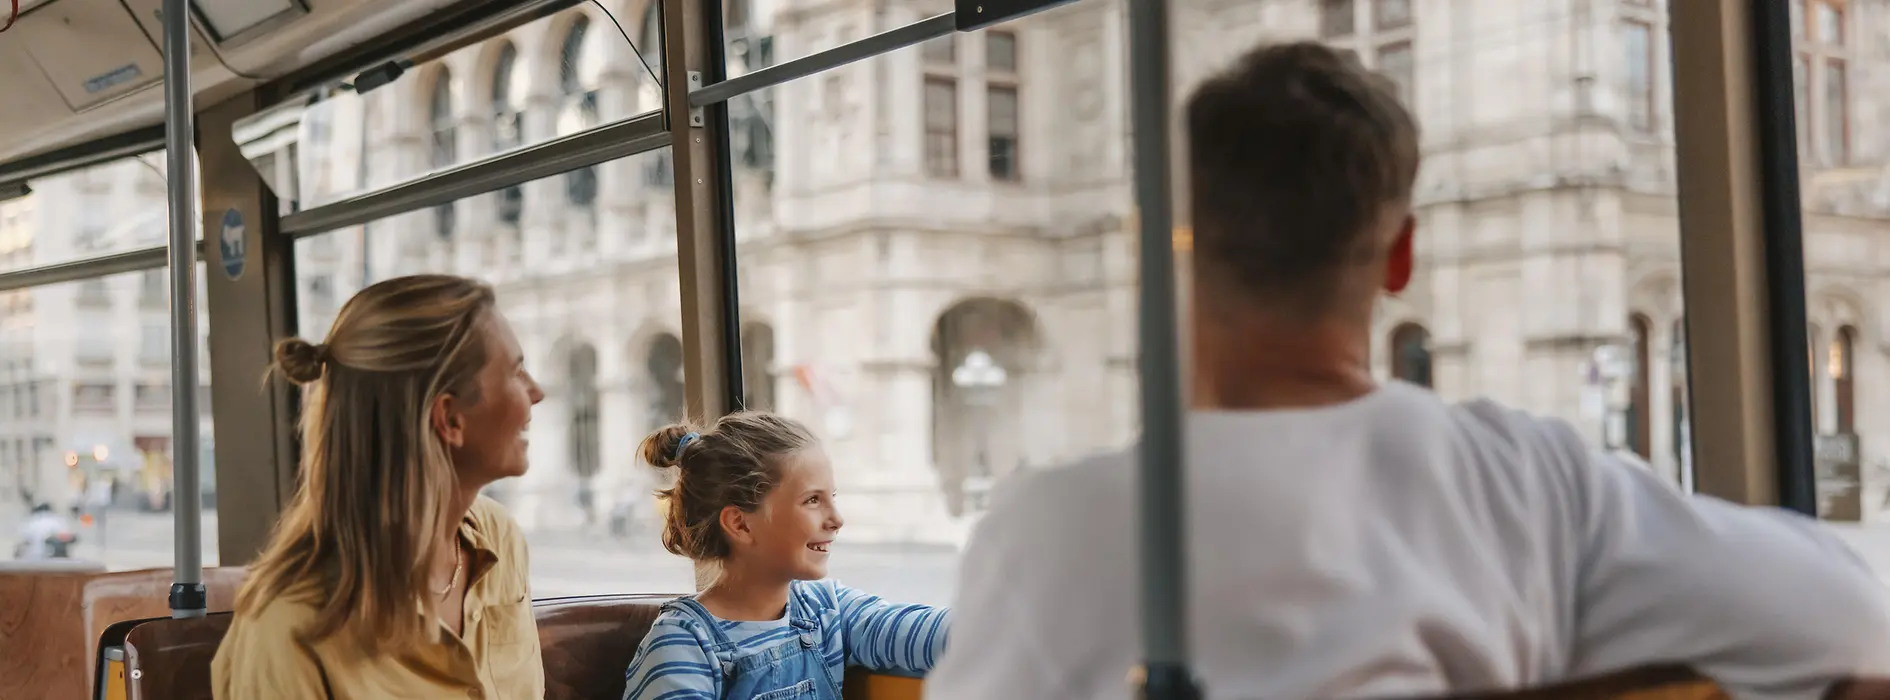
(1301, 168)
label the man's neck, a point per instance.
(1255, 362)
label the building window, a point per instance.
(1842, 375)
(1391, 14)
(940, 57)
(1837, 128)
(1640, 418)
(1821, 78)
(445, 144)
(508, 126)
(1801, 95)
(1411, 354)
(1336, 18)
(1640, 75)
(1003, 124)
(941, 127)
(1394, 62)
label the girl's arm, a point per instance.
(891, 637)
(672, 664)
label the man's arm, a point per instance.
(1764, 601)
(1046, 604)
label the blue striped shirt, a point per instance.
(857, 629)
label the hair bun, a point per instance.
(300, 361)
(663, 448)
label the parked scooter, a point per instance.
(46, 535)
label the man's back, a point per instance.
(1395, 545)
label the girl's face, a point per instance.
(797, 521)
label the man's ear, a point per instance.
(1400, 263)
(447, 421)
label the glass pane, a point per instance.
(592, 294)
(85, 419)
(554, 76)
(1639, 92)
(110, 208)
(1841, 158)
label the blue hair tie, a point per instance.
(683, 444)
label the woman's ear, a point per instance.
(736, 526)
(446, 420)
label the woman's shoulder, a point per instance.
(492, 519)
(276, 617)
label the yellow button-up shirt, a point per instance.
(495, 658)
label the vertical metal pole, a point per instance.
(187, 591)
(1774, 115)
(1164, 564)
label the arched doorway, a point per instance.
(984, 351)
(1411, 354)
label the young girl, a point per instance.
(754, 500)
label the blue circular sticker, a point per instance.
(232, 244)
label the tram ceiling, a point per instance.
(107, 54)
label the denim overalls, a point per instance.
(791, 669)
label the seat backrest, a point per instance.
(170, 659)
(53, 617)
(588, 641)
(1643, 683)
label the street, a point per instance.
(566, 563)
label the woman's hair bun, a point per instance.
(663, 448)
(300, 361)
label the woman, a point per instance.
(388, 575)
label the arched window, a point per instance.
(1640, 418)
(1843, 375)
(445, 146)
(582, 374)
(577, 80)
(1411, 354)
(508, 125)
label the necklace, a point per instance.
(455, 581)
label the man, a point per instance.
(1353, 539)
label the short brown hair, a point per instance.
(1294, 152)
(734, 462)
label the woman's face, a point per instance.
(490, 432)
(798, 520)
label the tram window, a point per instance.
(601, 330)
(92, 423)
(462, 106)
(1840, 149)
(101, 210)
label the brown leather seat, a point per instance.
(53, 616)
(170, 659)
(588, 642)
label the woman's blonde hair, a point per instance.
(734, 462)
(358, 538)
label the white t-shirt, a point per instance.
(1398, 545)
